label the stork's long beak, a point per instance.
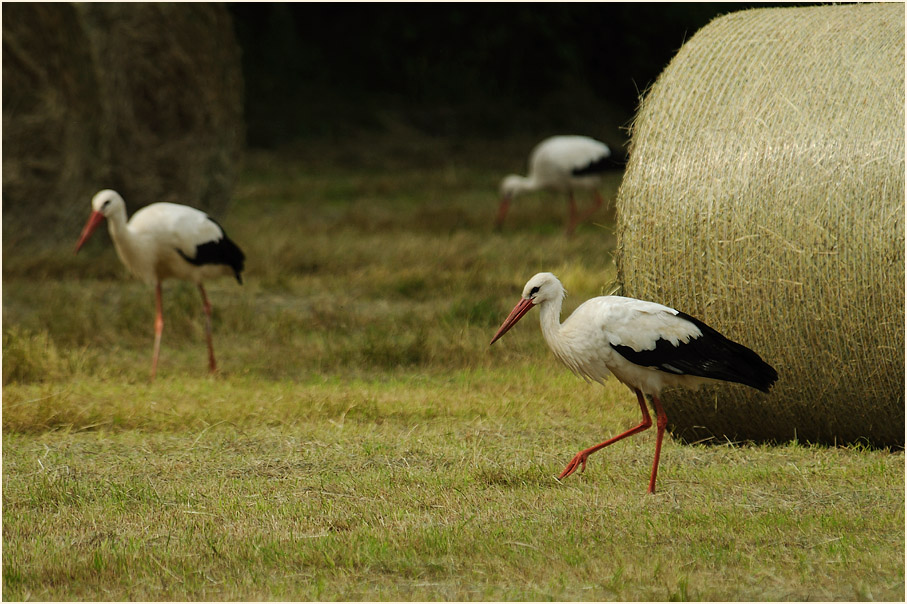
(515, 315)
(93, 221)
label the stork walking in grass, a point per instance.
(562, 164)
(645, 345)
(165, 240)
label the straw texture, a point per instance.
(145, 98)
(765, 195)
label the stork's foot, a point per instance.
(578, 461)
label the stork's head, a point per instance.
(512, 185)
(107, 202)
(542, 288)
(103, 205)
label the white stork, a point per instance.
(167, 240)
(645, 345)
(561, 164)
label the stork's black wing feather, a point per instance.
(222, 251)
(710, 355)
(602, 164)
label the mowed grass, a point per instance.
(363, 442)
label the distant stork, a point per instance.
(167, 240)
(561, 164)
(645, 345)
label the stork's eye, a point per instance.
(105, 204)
(533, 291)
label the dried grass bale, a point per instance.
(51, 132)
(144, 98)
(765, 195)
(171, 86)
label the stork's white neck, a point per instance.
(124, 241)
(116, 224)
(526, 184)
(562, 340)
(119, 232)
(515, 184)
(550, 320)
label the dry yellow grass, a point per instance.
(363, 442)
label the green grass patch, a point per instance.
(363, 442)
(425, 487)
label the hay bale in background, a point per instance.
(171, 85)
(52, 149)
(765, 194)
(147, 97)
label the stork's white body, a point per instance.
(555, 162)
(148, 243)
(647, 346)
(563, 164)
(583, 342)
(165, 240)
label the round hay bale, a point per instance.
(171, 87)
(51, 131)
(765, 195)
(144, 98)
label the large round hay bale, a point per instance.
(52, 150)
(145, 98)
(765, 194)
(172, 88)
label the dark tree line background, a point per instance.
(158, 100)
(461, 69)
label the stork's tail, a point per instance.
(708, 355)
(730, 361)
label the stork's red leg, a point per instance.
(502, 212)
(579, 460)
(573, 218)
(661, 421)
(212, 364)
(158, 328)
(596, 204)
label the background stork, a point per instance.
(645, 345)
(165, 240)
(562, 164)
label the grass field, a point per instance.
(363, 442)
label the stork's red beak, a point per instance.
(93, 221)
(515, 315)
